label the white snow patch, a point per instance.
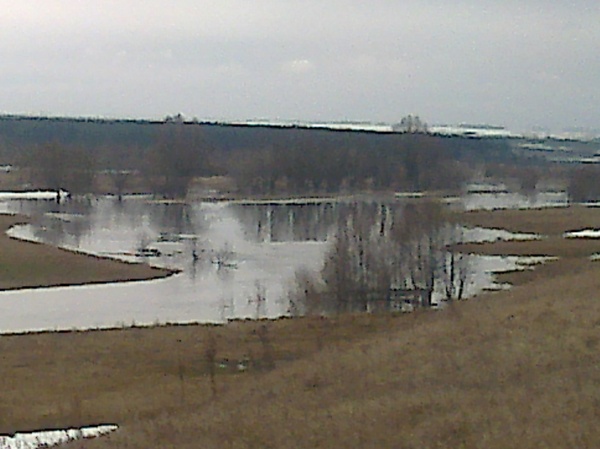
(64, 217)
(285, 201)
(466, 130)
(48, 438)
(33, 195)
(409, 194)
(529, 262)
(345, 126)
(482, 235)
(584, 233)
(486, 187)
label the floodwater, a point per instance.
(231, 257)
(238, 260)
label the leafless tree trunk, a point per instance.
(365, 265)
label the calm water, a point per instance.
(242, 251)
(232, 255)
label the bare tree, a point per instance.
(120, 179)
(583, 184)
(339, 274)
(420, 234)
(49, 166)
(371, 260)
(259, 300)
(57, 167)
(411, 124)
(456, 269)
(179, 155)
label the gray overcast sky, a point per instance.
(515, 63)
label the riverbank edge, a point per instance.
(19, 220)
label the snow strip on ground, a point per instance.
(584, 233)
(47, 438)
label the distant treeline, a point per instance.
(261, 159)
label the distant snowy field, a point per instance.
(439, 129)
(448, 130)
(347, 126)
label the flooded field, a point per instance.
(238, 260)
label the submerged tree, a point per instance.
(378, 252)
(456, 269)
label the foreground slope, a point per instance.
(517, 368)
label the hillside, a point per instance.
(515, 368)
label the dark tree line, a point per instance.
(166, 158)
(166, 168)
(416, 162)
(179, 155)
(303, 164)
(55, 167)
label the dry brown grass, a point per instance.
(518, 368)
(549, 221)
(124, 375)
(26, 264)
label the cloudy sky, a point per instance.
(507, 62)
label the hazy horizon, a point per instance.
(488, 62)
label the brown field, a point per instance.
(511, 369)
(550, 221)
(27, 264)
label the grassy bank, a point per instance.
(27, 264)
(516, 368)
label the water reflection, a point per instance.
(228, 255)
(285, 222)
(238, 259)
